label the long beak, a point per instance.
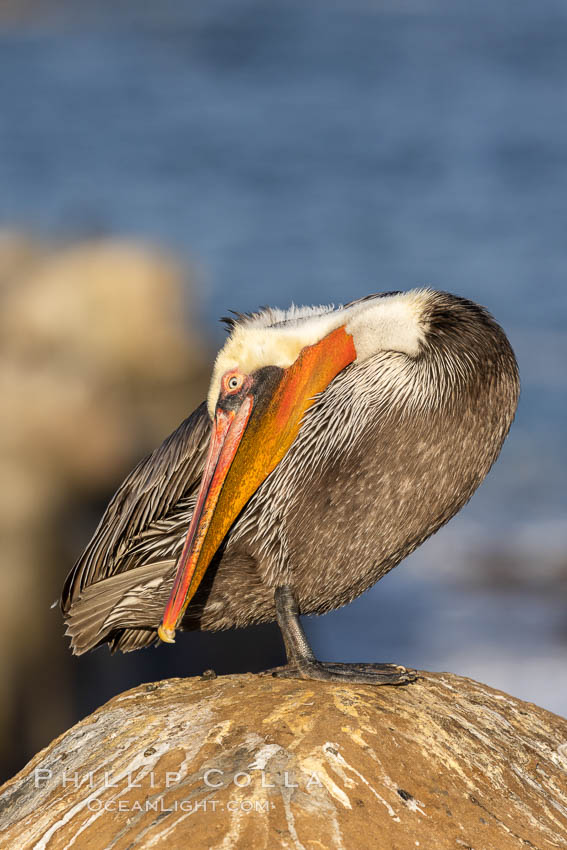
(246, 445)
(228, 428)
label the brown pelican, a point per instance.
(332, 443)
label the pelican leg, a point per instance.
(301, 661)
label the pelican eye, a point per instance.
(232, 383)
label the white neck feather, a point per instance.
(275, 337)
(392, 323)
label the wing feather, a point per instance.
(142, 526)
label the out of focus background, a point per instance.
(162, 163)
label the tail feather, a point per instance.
(129, 639)
(124, 609)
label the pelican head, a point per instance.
(265, 378)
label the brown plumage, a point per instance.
(391, 449)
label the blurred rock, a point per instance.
(251, 761)
(17, 253)
(94, 334)
(100, 360)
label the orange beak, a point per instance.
(247, 443)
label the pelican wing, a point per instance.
(125, 567)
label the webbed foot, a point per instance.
(358, 674)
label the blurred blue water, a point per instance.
(294, 151)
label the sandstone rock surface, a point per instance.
(252, 761)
